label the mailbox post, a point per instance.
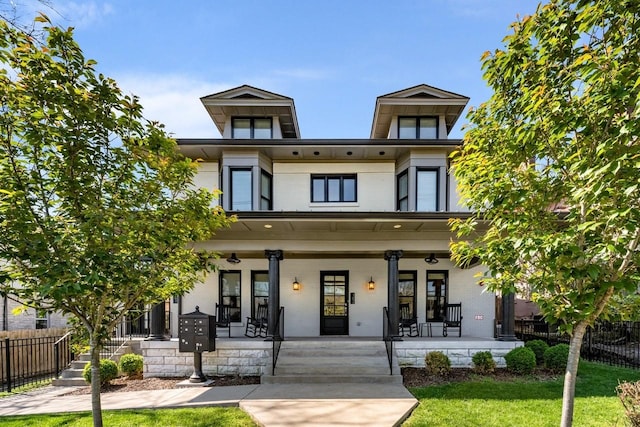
(197, 332)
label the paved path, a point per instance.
(270, 405)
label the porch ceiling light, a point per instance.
(296, 284)
(431, 259)
(267, 226)
(233, 259)
(372, 284)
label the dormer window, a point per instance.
(417, 127)
(251, 128)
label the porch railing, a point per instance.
(277, 338)
(388, 337)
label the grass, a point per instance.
(527, 402)
(188, 417)
(25, 388)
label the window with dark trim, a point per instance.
(407, 290)
(259, 290)
(427, 190)
(437, 289)
(403, 192)
(241, 189)
(42, 319)
(266, 191)
(417, 127)
(230, 293)
(251, 128)
(333, 188)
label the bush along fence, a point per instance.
(614, 343)
(26, 361)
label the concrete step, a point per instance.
(69, 382)
(79, 364)
(325, 362)
(330, 379)
(72, 373)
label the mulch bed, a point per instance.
(137, 384)
(418, 377)
(412, 377)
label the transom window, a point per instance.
(418, 128)
(230, 293)
(437, 288)
(333, 188)
(251, 128)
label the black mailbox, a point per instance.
(197, 332)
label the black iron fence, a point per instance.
(25, 361)
(614, 343)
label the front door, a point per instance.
(334, 310)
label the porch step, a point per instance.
(72, 376)
(342, 361)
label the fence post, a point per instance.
(8, 363)
(56, 353)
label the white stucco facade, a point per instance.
(334, 207)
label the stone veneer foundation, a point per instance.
(232, 357)
(253, 357)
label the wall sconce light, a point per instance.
(296, 284)
(431, 259)
(233, 259)
(372, 284)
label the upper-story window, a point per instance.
(251, 128)
(425, 182)
(417, 128)
(333, 188)
(266, 191)
(241, 194)
(427, 190)
(241, 189)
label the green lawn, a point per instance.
(527, 403)
(189, 417)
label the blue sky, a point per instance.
(333, 57)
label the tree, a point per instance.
(97, 207)
(550, 164)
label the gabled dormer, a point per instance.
(246, 112)
(419, 112)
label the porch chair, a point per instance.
(452, 319)
(407, 321)
(223, 317)
(257, 326)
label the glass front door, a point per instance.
(334, 310)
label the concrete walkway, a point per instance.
(269, 405)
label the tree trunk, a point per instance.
(569, 390)
(96, 407)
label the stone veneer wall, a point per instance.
(460, 352)
(239, 357)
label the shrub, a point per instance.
(108, 371)
(131, 364)
(437, 363)
(629, 394)
(555, 358)
(538, 347)
(483, 362)
(521, 360)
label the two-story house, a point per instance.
(336, 229)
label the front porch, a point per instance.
(253, 356)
